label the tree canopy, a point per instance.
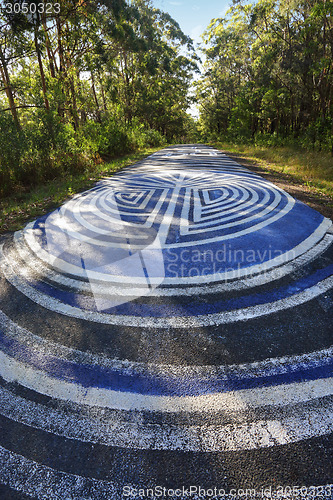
(84, 77)
(269, 71)
(86, 58)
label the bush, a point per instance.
(12, 149)
(46, 148)
(113, 138)
(106, 138)
(154, 138)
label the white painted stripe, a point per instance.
(244, 399)
(41, 482)
(31, 268)
(169, 213)
(38, 267)
(237, 208)
(65, 267)
(151, 215)
(292, 254)
(95, 428)
(244, 209)
(243, 232)
(167, 322)
(180, 183)
(267, 367)
(72, 214)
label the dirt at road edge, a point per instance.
(320, 202)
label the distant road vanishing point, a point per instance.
(169, 328)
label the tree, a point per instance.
(269, 70)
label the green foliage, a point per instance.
(106, 138)
(12, 148)
(24, 205)
(269, 74)
(99, 79)
(45, 148)
(154, 138)
(113, 138)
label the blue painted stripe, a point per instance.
(102, 377)
(192, 308)
(278, 237)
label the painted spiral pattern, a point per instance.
(163, 328)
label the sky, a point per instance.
(193, 16)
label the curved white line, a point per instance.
(171, 321)
(33, 265)
(247, 272)
(267, 367)
(193, 437)
(35, 479)
(244, 399)
(219, 222)
(255, 227)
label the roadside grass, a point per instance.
(21, 206)
(314, 170)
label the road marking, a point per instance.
(243, 399)
(167, 322)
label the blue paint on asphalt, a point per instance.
(232, 218)
(146, 383)
(227, 254)
(192, 308)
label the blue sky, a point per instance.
(193, 16)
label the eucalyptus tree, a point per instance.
(149, 63)
(92, 59)
(14, 46)
(269, 70)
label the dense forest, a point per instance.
(269, 73)
(83, 80)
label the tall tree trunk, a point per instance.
(75, 114)
(60, 46)
(72, 97)
(50, 54)
(95, 96)
(62, 69)
(8, 88)
(41, 69)
(102, 92)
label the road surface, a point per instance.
(167, 334)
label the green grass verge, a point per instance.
(312, 169)
(21, 207)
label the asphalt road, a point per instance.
(168, 334)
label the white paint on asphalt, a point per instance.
(172, 321)
(14, 371)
